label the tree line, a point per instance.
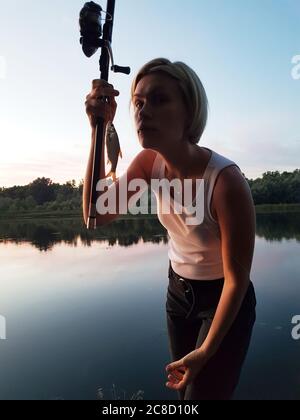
(276, 188)
(44, 195)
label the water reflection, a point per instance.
(45, 234)
(74, 314)
(278, 226)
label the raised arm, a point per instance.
(140, 167)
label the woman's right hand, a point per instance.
(95, 107)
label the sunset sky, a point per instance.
(245, 53)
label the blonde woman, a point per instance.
(210, 305)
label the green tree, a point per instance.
(42, 190)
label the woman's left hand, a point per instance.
(183, 372)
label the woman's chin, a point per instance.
(145, 141)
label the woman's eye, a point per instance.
(159, 99)
(138, 104)
(156, 99)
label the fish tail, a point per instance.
(111, 174)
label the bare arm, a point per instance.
(95, 109)
(140, 167)
(236, 216)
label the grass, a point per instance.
(277, 208)
(139, 395)
(65, 215)
(261, 208)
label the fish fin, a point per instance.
(121, 154)
(112, 175)
(108, 162)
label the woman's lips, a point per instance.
(146, 129)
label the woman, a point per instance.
(210, 300)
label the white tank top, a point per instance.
(194, 250)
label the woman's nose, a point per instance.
(145, 111)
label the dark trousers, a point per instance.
(191, 306)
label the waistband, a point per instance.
(187, 283)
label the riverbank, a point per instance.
(277, 208)
(262, 208)
(64, 215)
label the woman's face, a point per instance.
(159, 111)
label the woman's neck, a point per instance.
(189, 163)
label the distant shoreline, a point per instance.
(260, 209)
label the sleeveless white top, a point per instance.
(194, 249)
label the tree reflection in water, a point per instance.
(44, 234)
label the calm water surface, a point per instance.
(85, 313)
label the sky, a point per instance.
(246, 53)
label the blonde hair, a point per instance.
(194, 94)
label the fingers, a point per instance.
(176, 365)
(177, 374)
(99, 104)
(177, 381)
(108, 92)
(99, 94)
(174, 384)
(100, 82)
(102, 88)
(173, 380)
(177, 377)
(96, 106)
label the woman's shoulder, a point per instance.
(232, 183)
(227, 171)
(146, 159)
(149, 157)
(231, 176)
(231, 186)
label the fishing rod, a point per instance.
(92, 38)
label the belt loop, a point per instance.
(193, 302)
(184, 283)
(170, 268)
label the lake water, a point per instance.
(85, 312)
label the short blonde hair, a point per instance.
(191, 86)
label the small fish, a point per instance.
(113, 149)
